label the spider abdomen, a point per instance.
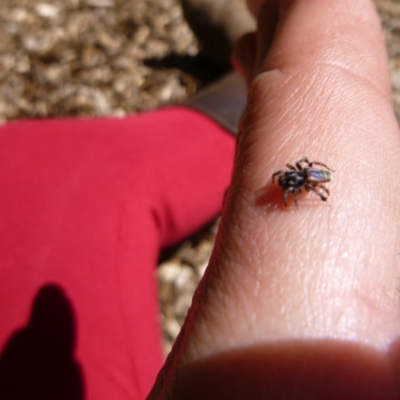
(318, 176)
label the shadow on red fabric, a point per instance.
(38, 360)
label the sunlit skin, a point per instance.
(303, 303)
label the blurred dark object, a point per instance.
(218, 24)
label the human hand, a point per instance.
(303, 302)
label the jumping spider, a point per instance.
(293, 180)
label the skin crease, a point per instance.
(303, 302)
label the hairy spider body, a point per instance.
(293, 180)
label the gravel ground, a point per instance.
(85, 58)
(94, 57)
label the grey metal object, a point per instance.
(224, 101)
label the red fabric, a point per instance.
(85, 206)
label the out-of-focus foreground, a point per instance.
(80, 58)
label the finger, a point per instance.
(255, 6)
(319, 271)
(244, 56)
(251, 49)
(323, 92)
(331, 108)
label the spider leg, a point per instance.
(314, 189)
(287, 193)
(290, 166)
(324, 189)
(321, 164)
(296, 196)
(309, 186)
(285, 196)
(290, 191)
(275, 174)
(303, 160)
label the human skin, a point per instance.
(303, 302)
